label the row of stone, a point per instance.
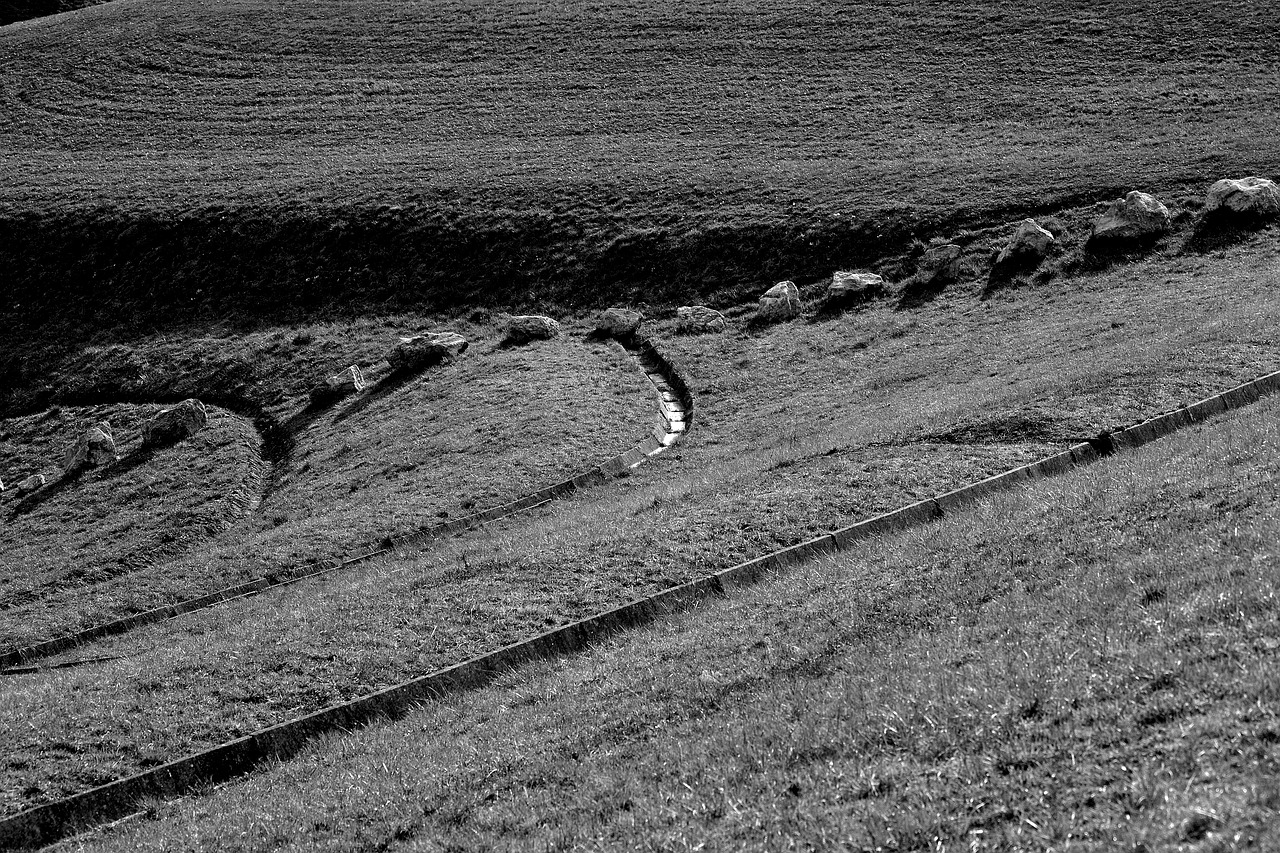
(1136, 217)
(97, 445)
(409, 355)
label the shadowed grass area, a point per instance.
(1085, 664)
(489, 428)
(800, 428)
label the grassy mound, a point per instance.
(140, 512)
(800, 428)
(409, 453)
(309, 156)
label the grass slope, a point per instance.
(144, 510)
(1085, 664)
(308, 155)
(489, 428)
(800, 428)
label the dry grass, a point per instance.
(1081, 666)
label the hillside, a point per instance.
(233, 201)
(181, 155)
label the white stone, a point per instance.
(1136, 216)
(780, 302)
(1251, 196)
(699, 319)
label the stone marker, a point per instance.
(422, 351)
(96, 447)
(850, 287)
(1028, 246)
(169, 426)
(1137, 216)
(699, 319)
(31, 484)
(349, 381)
(1248, 197)
(940, 264)
(780, 302)
(621, 323)
(532, 327)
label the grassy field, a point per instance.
(1085, 664)
(234, 200)
(800, 428)
(489, 428)
(307, 156)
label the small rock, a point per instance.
(169, 426)
(621, 323)
(96, 447)
(699, 319)
(1250, 197)
(780, 302)
(847, 288)
(1028, 246)
(940, 264)
(1137, 216)
(422, 351)
(31, 484)
(349, 381)
(532, 327)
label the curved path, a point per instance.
(675, 409)
(115, 800)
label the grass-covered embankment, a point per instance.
(800, 428)
(163, 159)
(409, 453)
(1084, 664)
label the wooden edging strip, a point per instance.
(14, 661)
(45, 824)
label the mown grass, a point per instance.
(491, 427)
(1084, 664)
(799, 429)
(307, 156)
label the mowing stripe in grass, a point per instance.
(673, 417)
(47, 823)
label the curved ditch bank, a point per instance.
(45, 824)
(675, 412)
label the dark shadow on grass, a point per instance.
(916, 293)
(1222, 229)
(389, 384)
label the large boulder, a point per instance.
(1136, 217)
(169, 426)
(531, 327)
(780, 302)
(96, 447)
(848, 288)
(620, 323)
(1257, 198)
(349, 381)
(1028, 246)
(699, 320)
(419, 352)
(27, 485)
(939, 264)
